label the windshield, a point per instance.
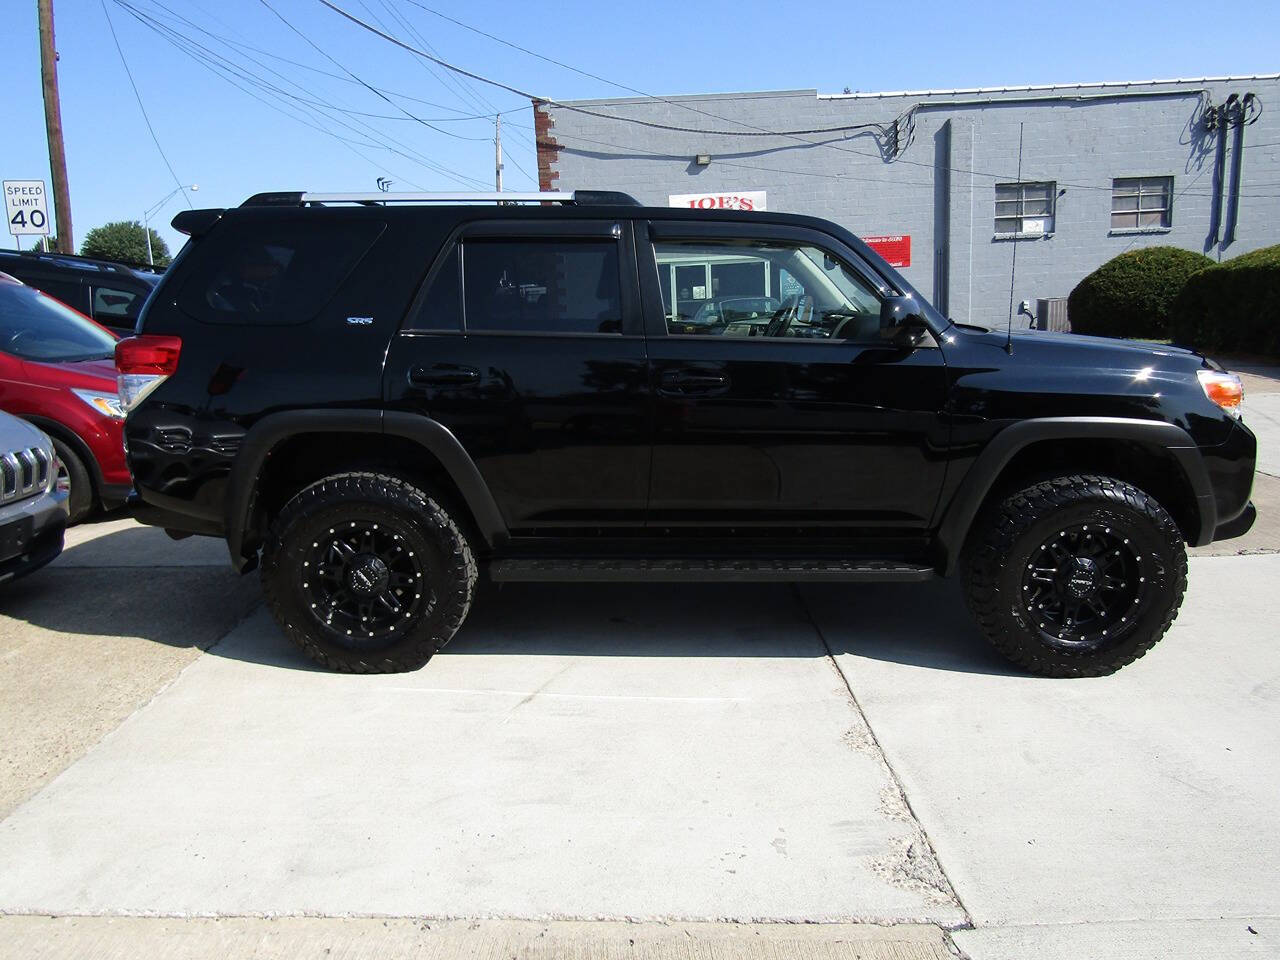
(36, 327)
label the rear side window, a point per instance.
(112, 305)
(542, 286)
(277, 273)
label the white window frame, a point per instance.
(1143, 188)
(1019, 217)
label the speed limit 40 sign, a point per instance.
(26, 207)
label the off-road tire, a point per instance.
(80, 503)
(426, 527)
(1010, 532)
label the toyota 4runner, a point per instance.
(375, 397)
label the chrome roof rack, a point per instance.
(593, 198)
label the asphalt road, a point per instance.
(605, 770)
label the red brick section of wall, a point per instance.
(548, 149)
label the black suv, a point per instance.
(381, 396)
(110, 293)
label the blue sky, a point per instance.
(233, 144)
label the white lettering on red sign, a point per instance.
(895, 249)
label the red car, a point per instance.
(57, 370)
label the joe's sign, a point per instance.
(741, 200)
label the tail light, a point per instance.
(142, 364)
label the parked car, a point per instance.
(57, 371)
(375, 400)
(111, 293)
(33, 505)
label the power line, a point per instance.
(234, 72)
(464, 88)
(129, 73)
(445, 80)
(241, 45)
(757, 132)
(367, 86)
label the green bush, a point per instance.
(1131, 295)
(1233, 306)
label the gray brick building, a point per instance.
(1105, 167)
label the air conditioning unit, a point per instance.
(1051, 315)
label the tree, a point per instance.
(125, 241)
(40, 244)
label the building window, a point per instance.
(1138, 202)
(1024, 208)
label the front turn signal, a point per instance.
(1224, 389)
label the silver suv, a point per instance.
(33, 510)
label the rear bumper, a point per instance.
(31, 533)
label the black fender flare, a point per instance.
(267, 433)
(995, 456)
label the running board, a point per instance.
(704, 570)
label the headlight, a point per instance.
(107, 404)
(1224, 389)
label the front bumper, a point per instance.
(31, 533)
(1237, 527)
(1230, 466)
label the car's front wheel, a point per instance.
(1076, 576)
(367, 573)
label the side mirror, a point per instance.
(902, 323)
(895, 311)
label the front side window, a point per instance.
(541, 286)
(763, 289)
(1138, 202)
(35, 326)
(1025, 208)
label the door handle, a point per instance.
(688, 382)
(443, 375)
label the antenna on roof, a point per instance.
(1013, 269)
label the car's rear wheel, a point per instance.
(1076, 576)
(367, 573)
(74, 475)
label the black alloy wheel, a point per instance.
(364, 580)
(1084, 585)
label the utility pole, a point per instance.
(497, 152)
(53, 127)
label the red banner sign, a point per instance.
(896, 250)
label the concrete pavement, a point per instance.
(1056, 806)
(582, 751)
(88, 640)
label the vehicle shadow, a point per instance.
(923, 625)
(206, 605)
